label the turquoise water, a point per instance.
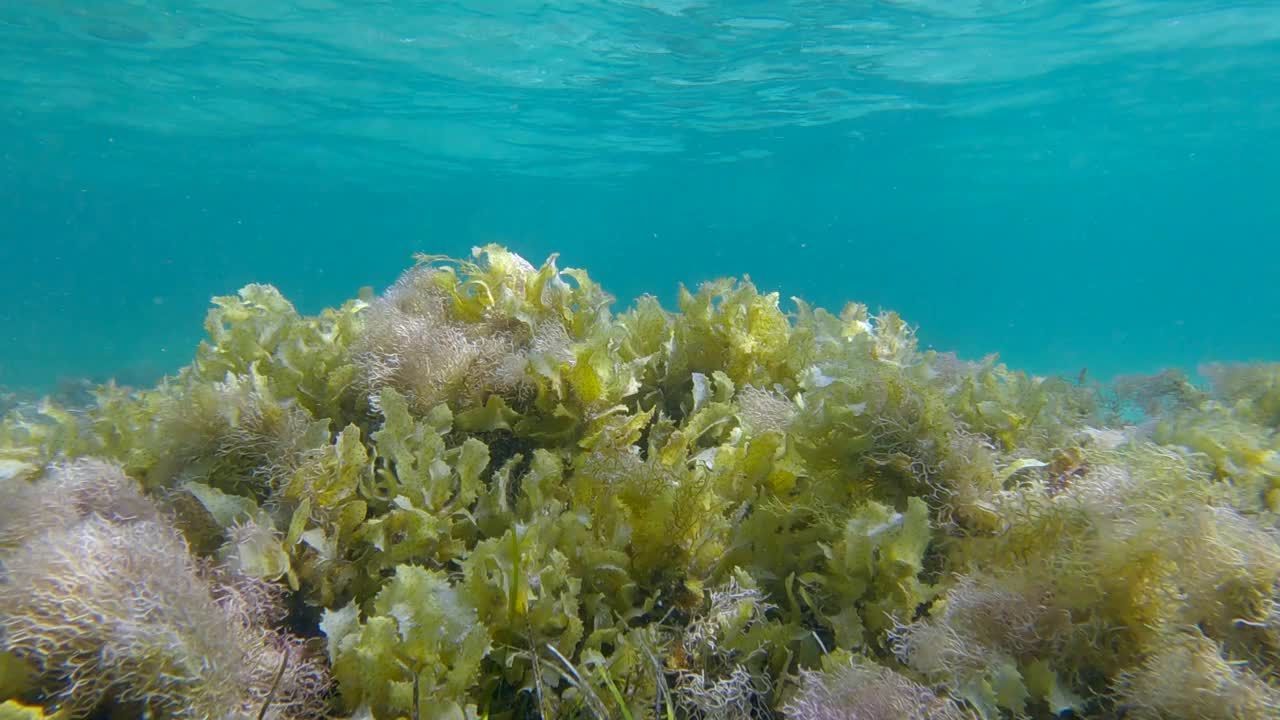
(1069, 183)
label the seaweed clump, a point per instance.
(485, 494)
(103, 597)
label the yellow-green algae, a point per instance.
(483, 494)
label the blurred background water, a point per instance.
(1070, 183)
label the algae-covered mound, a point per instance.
(483, 494)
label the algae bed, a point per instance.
(484, 494)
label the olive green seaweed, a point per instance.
(483, 494)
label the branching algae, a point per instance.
(484, 495)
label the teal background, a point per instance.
(1068, 183)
